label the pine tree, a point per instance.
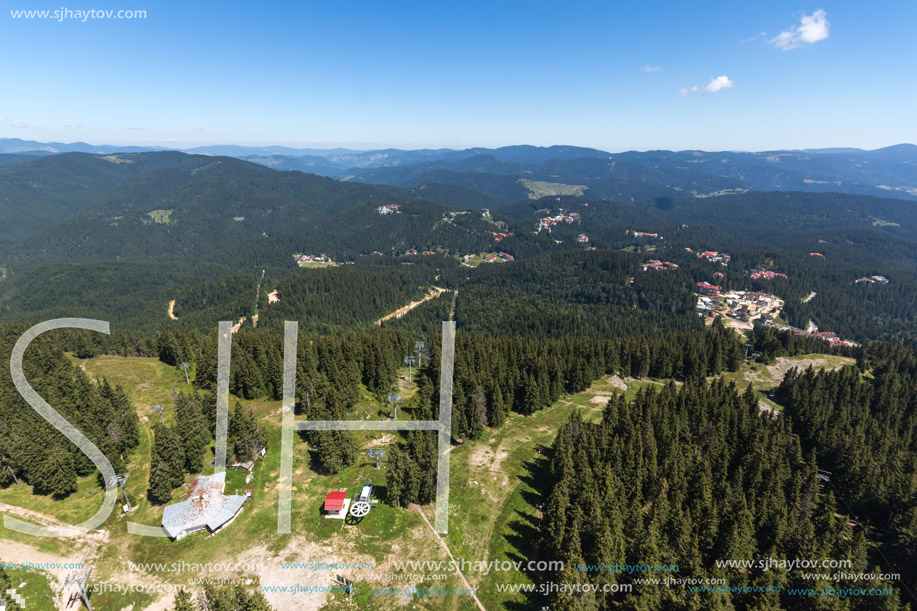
(497, 408)
(183, 602)
(7, 465)
(234, 598)
(192, 430)
(257, 602)
(394, 476)
(334, 450)
(532, 396)
(166, 465)
(55, 474)
(245, 438)
(6, 584)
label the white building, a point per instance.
(206, 507)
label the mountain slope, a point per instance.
(162, 204)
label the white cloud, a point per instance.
(811, 29)
(7, 122)
(717, 84)
(720, 82)
(754, 38)
(651, 68)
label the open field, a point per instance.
(539, 188)
(316, 264)
(161, 217)
(766, 377)
(36, 590)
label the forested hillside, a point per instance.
(863, 432)
(31, 450)
(692, 476)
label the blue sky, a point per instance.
(612, 75)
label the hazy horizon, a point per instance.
(366, 148)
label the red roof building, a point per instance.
(708, 289)
(335, 500)
(766, 275)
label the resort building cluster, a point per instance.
(389, 209)
(302, 259)
(549, 221)
(764, 274)
(656, 265)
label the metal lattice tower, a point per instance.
(185, 366)
(120, 480)
(81, 583)
(377, 453)
(394, 398)
(410, 360)
(158, 408)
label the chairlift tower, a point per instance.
(184, 366)
(81, 583)
(120, 480)
(377, 453)
(410, 360)
(158, 408)
(747, 348)
(418, 348)
(394, 398)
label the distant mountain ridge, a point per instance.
(519, 153)
(632, 177)
(17, 145)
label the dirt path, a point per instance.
(21, 553)
(172, 310)
(809, 298)
(451, 557)
(432, 294)
(30, 515)
(271, 572)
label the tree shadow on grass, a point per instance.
(523, 529)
